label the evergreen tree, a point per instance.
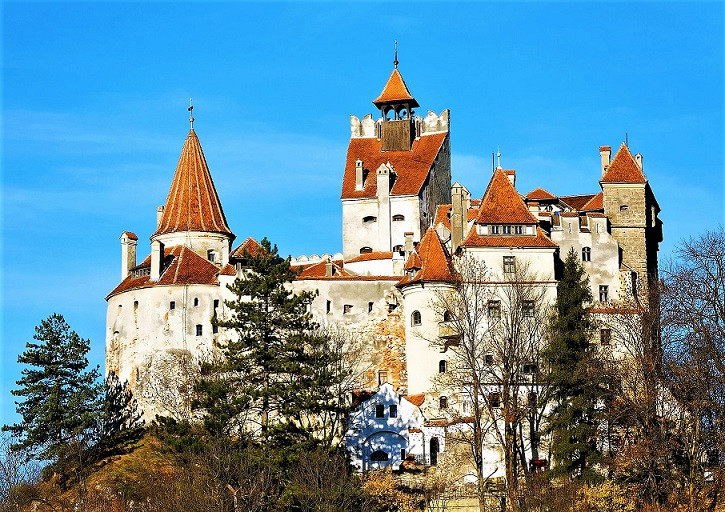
(276, 379)
(573, 376)
(61, 396)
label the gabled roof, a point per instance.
(595, 203)
(181, 266)
(540, 240)
(623, 168)
(395, 91)
(192, 203)
(502, 204)
(250, 246)
(540, 194)
(577, 202)
(411, 167)
(435, 262)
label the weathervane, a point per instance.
(395, 62)
(191, 113)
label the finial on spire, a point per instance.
(191, 113)
(498, 155)
(395, 61)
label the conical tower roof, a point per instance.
(192, 203)
(395, 92)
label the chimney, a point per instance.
(128, 253)
(359, 175)
(408, 244)
(638, 159)
(157, 259)
(159, 214)
(605, 152)
(459, 214)
(328, 269)
(383, 193)
(225, 252)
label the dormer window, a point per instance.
(507, 230)
(398, 218)
(366, 250)
(518, 230)
(369, 218)
(494, 230)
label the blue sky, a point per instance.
(94, 116)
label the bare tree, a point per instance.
(495, 366)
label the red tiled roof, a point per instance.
(319, 269)
(412, 167)
(502, 204)
(443, 213)
(436, 264)
(369, 256)
(228, 270)
(577, 202)
(623, 168)
(540, 194)
(413, 262)
(395, 91)
(540, 240)
(595, 203)
(131, 236)
(182, 266)
(416, 400)
(250, 246)
(192, 203)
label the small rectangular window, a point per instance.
(605, 336)
(215, 329)
(346, 309)
(527, 308)
(329, 306)
(370, 307)
(495, 230)
(216, 303)
(488, 359)
(393, 411)
(518, 230)
(402, 454)
(198, 329)
(379, 411)
(172, 305)
(530, 368)
(494, 309)
(509, 264)
(603, 293)
(506, 230)
(196, 301)
(494, 399)
(382, 377)
(586, 254)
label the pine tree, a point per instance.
(62, 397)
(276, 378)
(572, 376)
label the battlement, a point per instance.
(370, 128)
(314, 258)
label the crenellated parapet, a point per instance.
(367, 127)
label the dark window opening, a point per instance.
(603, 293)
(402, 454)
(494, 399)
(605, 336)
(346, 309)
(379, 456)
(198, 329)
(379, 411)
(527, 308)
(366, 250)
(370, 307)
(196, 301)
(393, 411)
(494, 309)
(382, 377)
(416, 318)
(488, 359)
(509, 264)
(447, 316)
(442, 366)
(586, 254)
(172, 305)
(530, 368)
(370, 218)
(329, 306)
(443, 402)
(398, 218)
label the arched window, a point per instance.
(415, 318)
(366, 250)
(398, 249)
(443, 402)
(442, 366)
(586, 254)
(370, 218)
(447, 316)
(398, 218)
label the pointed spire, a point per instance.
(192, 203)
(395, 91)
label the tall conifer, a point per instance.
(572, 376)
(62, 397)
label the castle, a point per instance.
(402, 223)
